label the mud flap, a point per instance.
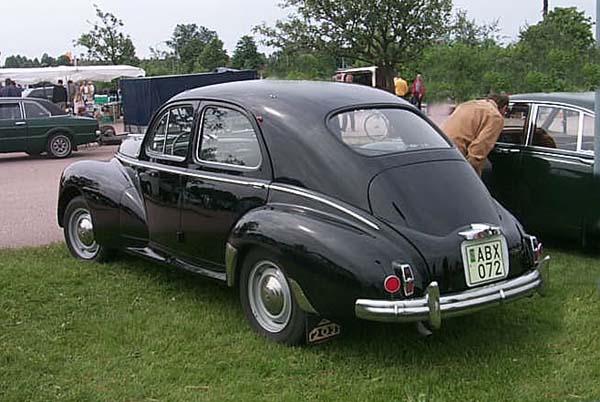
(320, 330)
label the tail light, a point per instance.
(537, 249)
(408, 280)
(391, 284)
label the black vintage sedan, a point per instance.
(542, 166)
(314, 200)
(35, 126)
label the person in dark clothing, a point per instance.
(9, 90)
(59, 95)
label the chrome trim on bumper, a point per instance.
(433, 307)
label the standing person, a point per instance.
(71, 92)
(91, 91)
(475, 126)
(349, 116)
(400, 86)
(9, 89)
(417, 91)
(59, 95)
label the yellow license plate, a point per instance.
(485, 260)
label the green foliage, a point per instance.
(300, 66)
(106, 43)
(556, 54)
(246, 55)
(19, 61)
(389, 33)
(213, 55)
(187, 42)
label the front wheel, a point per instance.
(78, 229)
(60, 146)
(268, 302)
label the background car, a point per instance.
(542, 166)
(36, 126)
(39, 92)
(261, 185)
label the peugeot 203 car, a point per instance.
(542, 167)
(318, 202)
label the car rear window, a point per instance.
(382, 131)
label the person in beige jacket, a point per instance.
(475, 126)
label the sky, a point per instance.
(34, 27)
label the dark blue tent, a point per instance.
(141, 97)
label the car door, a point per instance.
(165, 153)
(13, 128)
(555, 173)
(38, 125)
(231, 176)
(505, 158)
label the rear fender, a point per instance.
(331, 261)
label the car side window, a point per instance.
(171, 135)
(35, 111)
(10, 111)
(515, 124)
(587, 141)
(228, 137)
(556, 127)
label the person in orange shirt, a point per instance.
(475, 127)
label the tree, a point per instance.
(106, 42)
(47, 61)
(213, 55)
(188, 42)
(293, 65)
(386, 34)
(545, 8)
(556, 54)
(246, 55)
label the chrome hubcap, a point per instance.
(269, 296)
(81, 234)
(60, 145)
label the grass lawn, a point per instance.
(135, 331)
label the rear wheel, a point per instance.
(78, 229)
(60, 146)
(267, 300)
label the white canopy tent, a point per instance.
(29, 76)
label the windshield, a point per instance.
(375, 132)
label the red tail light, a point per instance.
(537, 249)
(391, 284)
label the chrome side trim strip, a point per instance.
(306, 194)
(189, 173)
(253, 183)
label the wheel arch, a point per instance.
(66, 195)
(328, 263)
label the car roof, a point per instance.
(287, 97)
(52, 108)
(585, 100)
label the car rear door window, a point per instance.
(35, 111)
(10, 111)
(228, 137)
(556, 127)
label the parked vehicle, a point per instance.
(270, 188)
(36, 126)
(39, 92)
(542, 166)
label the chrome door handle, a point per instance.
(507, 150)
(20, 123)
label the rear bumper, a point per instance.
(433, 307)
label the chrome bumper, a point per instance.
(433, 307)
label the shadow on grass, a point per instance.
(517, 329)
